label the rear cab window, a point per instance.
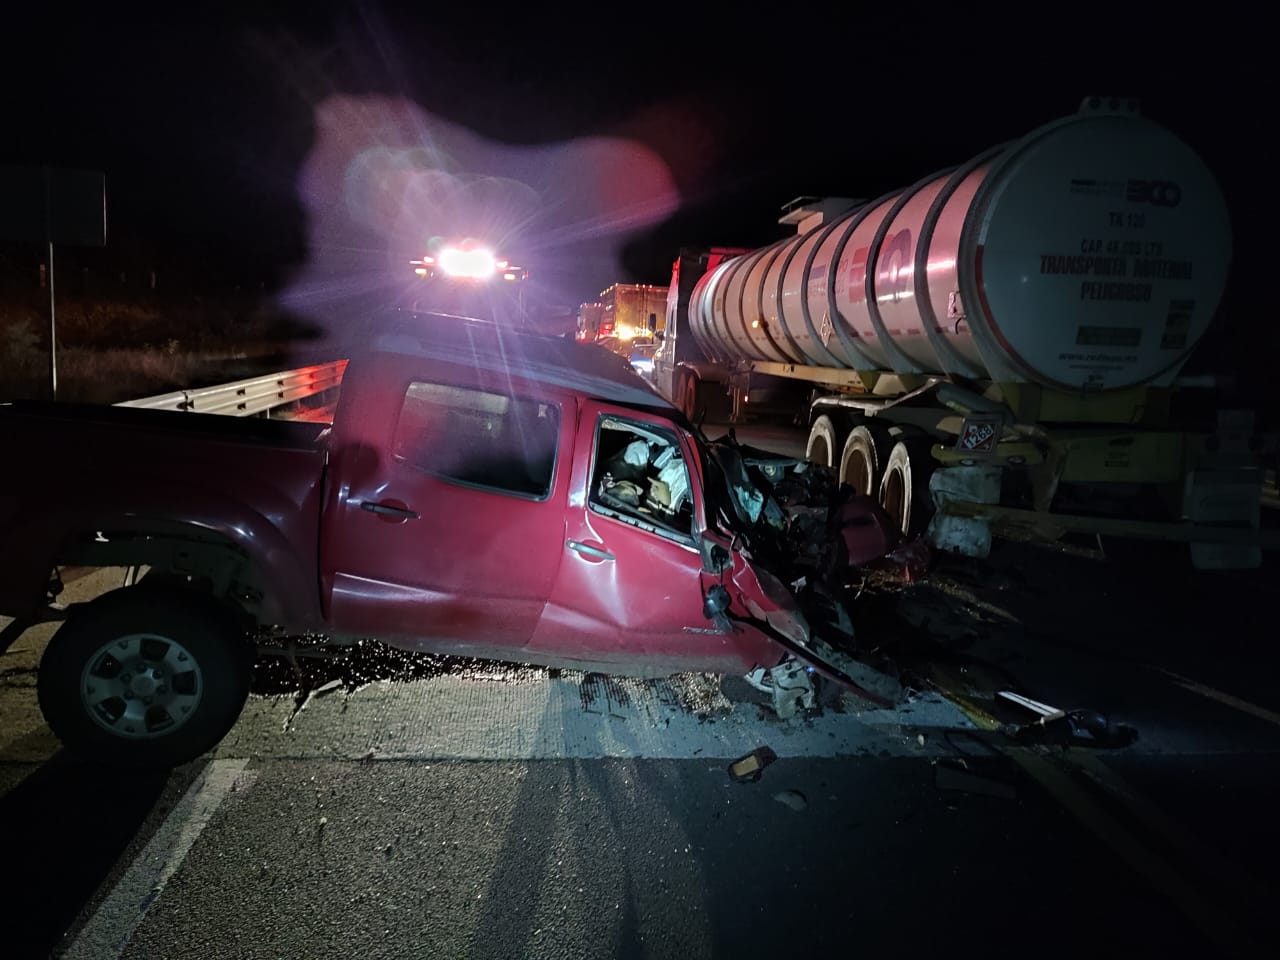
(487, 439)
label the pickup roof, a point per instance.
(481, 492)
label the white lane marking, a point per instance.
(1244, 706)
(108, 931)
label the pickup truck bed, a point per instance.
(71, 468)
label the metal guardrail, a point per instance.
(245, 398)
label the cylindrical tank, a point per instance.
(1089, 255)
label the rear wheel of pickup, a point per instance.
(145, 678)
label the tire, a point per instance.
(904, 488)
(689, 397)
(862, 460)
(821, 447)
(181, 653)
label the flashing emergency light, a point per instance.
(467, 263)
(475, 264)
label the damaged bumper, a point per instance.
(779, 612)
(794, 524)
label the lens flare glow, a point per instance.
(471, 264)
(389, 184)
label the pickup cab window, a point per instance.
(423, 541)
(479, 438)
(639, 476)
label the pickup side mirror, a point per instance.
(659, 335)
(714, 604)
(715, 560)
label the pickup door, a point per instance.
(445, 523)
(629, 593)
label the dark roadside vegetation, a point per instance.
(125, 335)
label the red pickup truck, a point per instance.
(480, 492)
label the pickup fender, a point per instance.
(196, 527)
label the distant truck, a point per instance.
(996, 349)
(481, 491)
(624, 310)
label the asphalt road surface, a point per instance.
(388, 806)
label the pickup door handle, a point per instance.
(389, 511)
(592, 553)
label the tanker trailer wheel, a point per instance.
(145, 678)
(904, 488)
(863, 459)
(822, 445)
(689, 397)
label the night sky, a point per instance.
(265, 148)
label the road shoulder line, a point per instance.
(108, 931)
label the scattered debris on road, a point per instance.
(912, 558)
(748, 769)
(792, 798)
(1066, 727)
(788, 684)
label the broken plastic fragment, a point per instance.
(748, 769)
(792, 688)
(789, 685)
(792, 798)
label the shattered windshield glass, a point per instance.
(740, 500)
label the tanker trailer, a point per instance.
(996, 349)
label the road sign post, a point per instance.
(47, 205)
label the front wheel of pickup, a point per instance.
(145, 678)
